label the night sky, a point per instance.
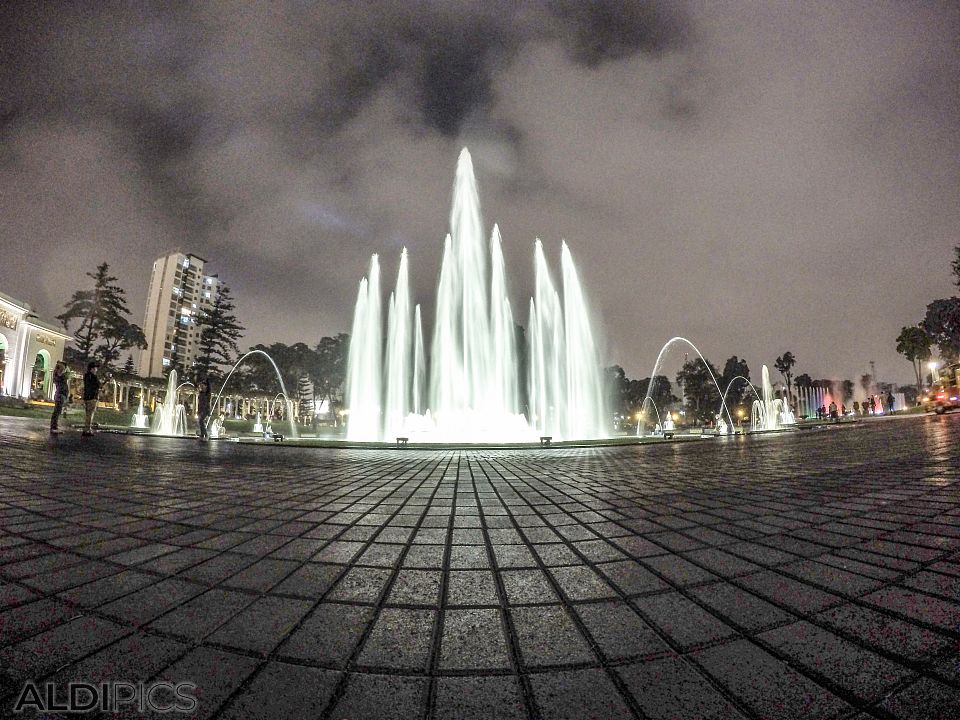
(758, 177)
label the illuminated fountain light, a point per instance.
(294, 432)
(468, 389)
(771, 413)
(641, 425)
(170, 416)
(140, 420)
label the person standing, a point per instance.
(91, 394)
(203, 408)
(890, 402)
(61, 395)
(833, 412)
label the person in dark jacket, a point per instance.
(203, 408)
(61, 395)
(91, 394)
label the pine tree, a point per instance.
(219, 332)
(104, 330)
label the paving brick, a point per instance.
(401, 639)
(198, 617)
(329, 635)
(548, 636)
(766, 685)
(261, 626)
(671, 688)
(578, 694)
(745, 611)
(884, 632)
(381, 697)
(682, 620)
(571, 577)
(478, 698)
(282, 691)
(859, 672)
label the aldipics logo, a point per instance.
(108, 697)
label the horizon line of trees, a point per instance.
(104, 331)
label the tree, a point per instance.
(293, 362)
(785, 365)
(331, 371)
(803, 381)
(128, 367)
(103, 330)
(219, 332)
(732, 368)
(699, 389)
(914, 344)
(627, 396)
(942, 325)
(616, 383)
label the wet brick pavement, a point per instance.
(809, 575)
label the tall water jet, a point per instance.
(505, 381)
(364, 363)
(468, 388)
(547, 349)
(398, 352)
(446, 366)
(170, 417)
(419, 364)
(771, 413)
(140, 419)
(467, 234)
(584, 388)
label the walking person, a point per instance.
(91, 394)
(61, 395)
(203, 408)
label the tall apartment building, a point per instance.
(179, 291)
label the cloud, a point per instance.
(759, 178)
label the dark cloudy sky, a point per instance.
(756, 176)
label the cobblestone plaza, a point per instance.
(813, 574)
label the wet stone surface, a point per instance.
(812, 574)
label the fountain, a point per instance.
(770, 413)
(170, 417)
(140, 419)
(257, 425)
(659, 425)
(641, 426)
(294, 432)
(469, 389)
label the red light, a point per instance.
(941, 396)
